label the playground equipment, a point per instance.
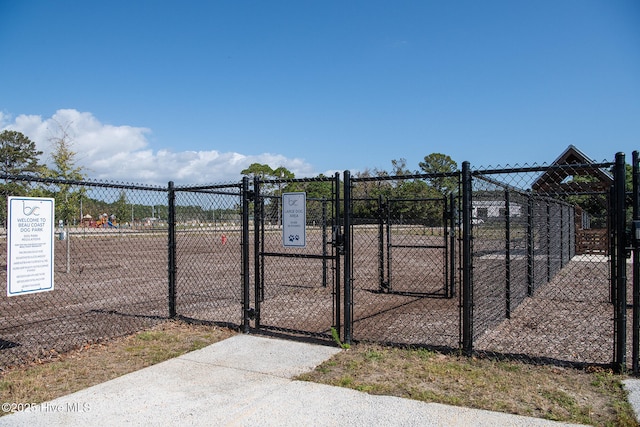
(106, 221)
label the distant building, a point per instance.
(587, 179)
(484, 209)
(568, 180)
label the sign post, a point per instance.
(30, 245)
(294, 220)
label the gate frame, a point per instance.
(260, 254)
(244, 196)
(635, 199)
(447, 247)
(454, 223)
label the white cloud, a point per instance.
(123, 154)
(4, 119)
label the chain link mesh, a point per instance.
(208, 247)
(538, 294)
(403, 286)
(109, 268)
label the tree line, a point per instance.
(430, 183)
(435, 179)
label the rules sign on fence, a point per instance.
(294, 219)
(30, 245)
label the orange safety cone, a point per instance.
(224, 239)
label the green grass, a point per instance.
(592, 397)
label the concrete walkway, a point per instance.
(632, 386)
(246, 381)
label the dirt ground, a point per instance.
(118, 284)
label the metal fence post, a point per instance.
(612, 244)
(452, 246)
(636, 268)
(548, 219)
(258, 240)
(620, 356)
(507, 255)
(389, 244)
(348, 294)
(382, 284)
(337, 243)
(245, 255)
(530, 247)
(171, 219)
(562, 234)
(467, 262)
(325, 253)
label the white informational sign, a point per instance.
(294, 220)
(30, 245)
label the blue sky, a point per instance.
(195, 91)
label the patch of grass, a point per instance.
(373, 355)
(92, 364)
(336, 337)
(198, 344)
(346, 381)
(593, 397)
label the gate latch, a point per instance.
(635, 231)
(632, 237)
(337, 237)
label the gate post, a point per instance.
(620, 355)
(467, 262)
(171, 219)
(324, 242)
(246, 317)
(612, 244)
(382, 284)
(636, 268)
(530, 247)
(452, 246)
(348, 292)
(507, 250)
(258, 241)
(336, 238)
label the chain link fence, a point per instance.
(529, 262)
(534, 296)
(535, 267)
(109, 267)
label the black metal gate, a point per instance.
(297, 288)
(207, 240)
(402, 263)
(416, 247)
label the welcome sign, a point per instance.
(30, 245)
